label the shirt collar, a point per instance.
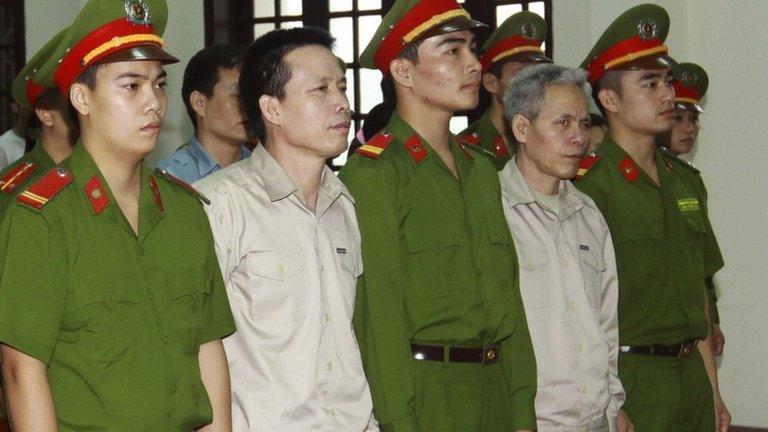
(203, 160)
(517, 192)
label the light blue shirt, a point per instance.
(192, 162)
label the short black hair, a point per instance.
(202, 71)
(265, 72)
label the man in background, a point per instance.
(212, 98)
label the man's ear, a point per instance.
(270, 109)
(44, 113)
(520, 127)
(402, 72)
(198, 102)
(609, 99)
(491, 83)
(79, 96)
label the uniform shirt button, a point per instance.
(173, 388)
(151, 296)
(571, 304)
(165, 340)
(329, 366)
(580, 348)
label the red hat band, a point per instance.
(422, 17)
(508, 47)
(685, 93)
(114, 36)
(34, 91)
(624, 52)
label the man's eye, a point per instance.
(162, 84)
(321, 89)
(131, 86)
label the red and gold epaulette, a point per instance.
(182, 184)
(586, 163)
(47, 187)
(472, 139)
(376, 145)
(16, 176)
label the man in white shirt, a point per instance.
(568, 274)
(289, 247)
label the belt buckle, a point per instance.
(490, 354)
(685, 349)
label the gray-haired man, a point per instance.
(567, 265)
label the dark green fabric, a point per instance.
(440, 269)
(713, 258)
(43, 163)
(659, 249)
(667, 394)
(118, 318)
(487, 133)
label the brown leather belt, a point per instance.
(485, 355)
(681, 350)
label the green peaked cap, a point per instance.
(634, 41)
(519, 37)
(106, 31)
(691, 83)
(409, 21)
(25, 88)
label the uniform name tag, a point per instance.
(341, 251)
(688, 204)
(584, 247)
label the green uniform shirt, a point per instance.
(118, 318)
(440, 269)
(713, 258)
(659, 236)
(43, 163)
(490, 140)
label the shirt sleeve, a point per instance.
(32, 284)
(713, 258)
(380, 317)
(217, 313)
(609, 319)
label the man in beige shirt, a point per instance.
(568, 274)
(289, 248)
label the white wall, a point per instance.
(727, 39)
(184, 36)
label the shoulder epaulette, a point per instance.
(376, 145)
(44, 189)
(586, 164)
(470, 139)
(674, 158)
(16, 176)
(170, 178)
(416, 148)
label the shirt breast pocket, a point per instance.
(106, 314)
(593, 267)
(534, 279)
(433, 252)
(277, 286)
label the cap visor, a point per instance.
(648, 63)
(454, 25)
(687, 106)
(140, 52)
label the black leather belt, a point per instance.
(681, 350)
(485, 355)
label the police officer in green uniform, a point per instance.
(439, 316)
(691, 82)
(55, 141)
(515, 45)
(112, 306)
(659, 231)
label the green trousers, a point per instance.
(667, 394)
(461, 397)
